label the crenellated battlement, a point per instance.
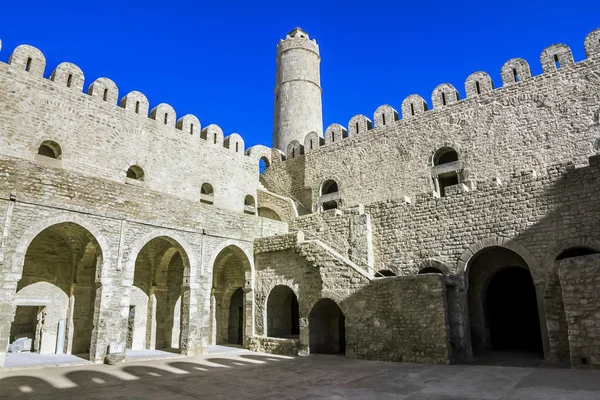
(69, 76)
(514, 73)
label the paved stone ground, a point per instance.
(244, 375)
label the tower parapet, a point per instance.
(298, 108)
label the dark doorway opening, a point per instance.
(512, 312)
(236, 318)
(327, 328)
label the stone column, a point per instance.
(7, 315)
(248, 315)
(111, 315)
(304, 338)
(540, 288)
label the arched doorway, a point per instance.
(503, 305)
(155, 312)
(229, 300)
(327, 328)
(56, 295)
(283, 315)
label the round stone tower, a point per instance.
(297, 90)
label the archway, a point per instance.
(229, 300)
(503, 305)
(155, 312)
(283, 315)
(327, 328)
(266, 212)
(56, 295)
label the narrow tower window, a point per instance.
(191, 129)
(105, 96)
(166, 118)
(516, 75)
(137, 107)
(556, 62)
(443, 98)
(28, 65)
(69, 79)
(237, 147)
(215, 138)
(477, 87)
(383, 119)
(412, 109)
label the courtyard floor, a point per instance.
(240, 374)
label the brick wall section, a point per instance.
(399, 319)
(580, 283)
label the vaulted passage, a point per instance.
(503, 305)
(327, 328)
(55, 297)
(512, 310)
(155, 312)
(283, 316)
(228, 299)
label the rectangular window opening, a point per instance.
(477, 87)
(383, 118)
(215, 138)
(516, 75)
(28, 65)
(166, 118)
(412, 109)
(137, 107)
(237, 147)
(556, 62)
(311, 144)
(69, 79)
(443, 98)
(191, 129)
(105, 96)
(584, 361)
(293, 152)
(357, 127)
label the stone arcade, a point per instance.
(431, 236)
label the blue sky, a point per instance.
(217, 59)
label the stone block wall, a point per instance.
(399, 319)
(580, 284)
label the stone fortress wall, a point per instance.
(97, 257)
(528, 122)
(380, 243)
(523, 197)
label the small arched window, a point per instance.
(207, 193)
(575, 252)
(135, 172)
(249, 205)
(50, 149)
(328, 187)
(445, 156)
(448, 175)
(430, 270)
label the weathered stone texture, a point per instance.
(399, 319)
(580, 283)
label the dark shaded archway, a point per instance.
(503, 306)
(235, 331)
(283, 316)
(512, 312)
(327, 328)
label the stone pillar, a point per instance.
(111, 314)
(7, 314)
(151, 320)
(304, 338)
(540, 288)
(248, 316)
